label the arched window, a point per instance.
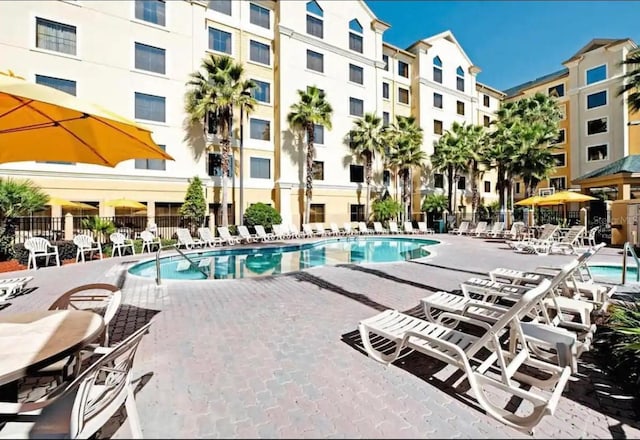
(355, 36)
(315, 24)
(437, 70)
(355, 25)
(460, 79)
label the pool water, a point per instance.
(613, 272)
(232, 263)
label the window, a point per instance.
(558, 183)
(385, 90)
(596, 74)
(152, 164)
(561, 137)
(150, 58)
(262, 91)
(596, 126)
(437, 70)
(318, 134)
(356, 74)
(487, 186)
(385, 60)
(460, 107)
(563, 111)
(597, 99)
(64, 85)
(517, 187)
(597, 152)
(259, 52)
(403, 69)
(259, 16)
(219, 41)
(316, 213)
(560, 159)
(486, 100)
(356, 213)
(355, 36)
(151, 11)
(51, 35)
(314, 24)
(260, 168)
(317, 170)
(437, 127)
(222, 6)
(385, 119)
(386, 178)
(356, 107)
(460, 79)
(403, 95)
(557, 91)
(462, 184)
(437, 100)
(260, 129)
(438, 180)
(214, 164)
(315, 61)
(487, 121)
(355, 26)
(150, 107)
(356, 173)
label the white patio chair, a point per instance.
(40, 247)
(408, 228)
(246, 235)
(185, 239)
(206, 237)
(404, 333)
(393, 227)
(422, 227)
(226, 236)
(362, 227)
(149, 241)
(263, 234)
(589, 239)
(120, 243)
(378, 229)
(86, 243)
(81, 408)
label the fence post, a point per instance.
(509, 219)
(68, 226)
(583, 217)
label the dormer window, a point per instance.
(315, 25)
(355, 36)
(437, 70)
(460, 79)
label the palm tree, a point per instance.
(449, 157)
(312, 109)
(632, 80)
(406, 153)
(215, 93)
(367, 138)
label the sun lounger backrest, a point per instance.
(572, 234)
(393, 226)
(243, 231)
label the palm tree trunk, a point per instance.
(309, 182)
(225, 173)
(369, 166)
(474, 191)
(406, 193)
(450, 188)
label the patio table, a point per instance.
(30, 341)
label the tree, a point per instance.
(632, 80)
(367, 138)
(194, 207)
(311, 109)
(449, 157)
(385, 209)
(214, 94)
(17, 198)
(435, 203)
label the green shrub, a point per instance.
(435, 203)
(385, 210)
(66, 250)
(100, 227)
(194, 207)
(261, 214)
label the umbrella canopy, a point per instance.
(84, 206)
(41, 123)
(125, 203)
(57, 201)
(565, 197)
(530, 201)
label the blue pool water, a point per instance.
(271, 260)
(613, 273)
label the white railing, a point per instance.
(175, 247)
(628, 249)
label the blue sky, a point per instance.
(511, 41)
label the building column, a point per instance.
(284, 195)
(624, 191)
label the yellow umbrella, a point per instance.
(530, 201)
(57, 201)
(41, 123)
(565, 197)
(125, 203)
(85, 206)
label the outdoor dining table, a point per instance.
(30, 341)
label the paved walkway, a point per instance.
(280, 356)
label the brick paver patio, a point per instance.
(280, 357)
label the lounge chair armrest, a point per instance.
(461, 318)
(490, 307)
(11, 408)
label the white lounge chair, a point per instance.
(246, 235)
(422, 227)
(320, 230)
(362, 227)
(226, 236)
(206, 238)
(185, 239)
(569, 242)
(378, 229)
(480, 228)
(393, 227)
(263, 234)
(462, 229)
(408, 228)
(309, 231)
(86, 243)
(149, 241)
(294, 231)
(390, 335)
(40, 247)
(335, 230)
(280, 232)
(11, 286)
(543, 240)
(494, 232)
(348, 229)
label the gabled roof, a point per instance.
(447, 35)
(482, 86)
(629, 164)
(513, 91)
(597, 43)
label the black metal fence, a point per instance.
(51, 228)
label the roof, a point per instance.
(541, 80)
(447, 35)
(482, 86)
(597, 43)
(398, 50)
(628, 164)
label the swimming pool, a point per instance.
(613, 272)
(268, 259)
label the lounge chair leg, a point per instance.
(132, 414)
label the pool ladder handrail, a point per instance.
(175, 247)
(628, 248)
